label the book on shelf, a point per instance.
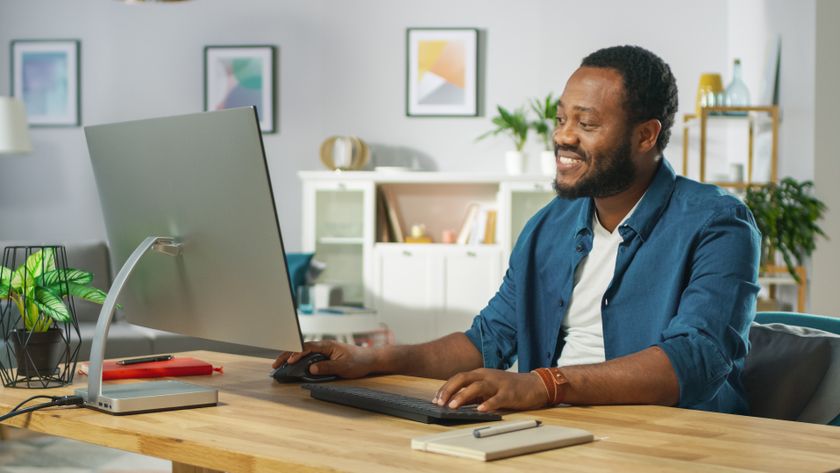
(466, 227)
(394, 219)
(490, 227)
(383, 232)
(479, 227)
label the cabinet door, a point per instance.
(338, 229)
(470, 278)
(408, 292)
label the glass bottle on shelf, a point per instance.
(737, 94)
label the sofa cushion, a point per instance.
(124, 340)
(793, 373)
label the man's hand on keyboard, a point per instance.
(346, 361)
(493, 389)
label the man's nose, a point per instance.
(564, 135)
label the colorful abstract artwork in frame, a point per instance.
(241, 76)
(442, 72)
(45, 76)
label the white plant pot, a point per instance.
(515, 162)
(548, 164)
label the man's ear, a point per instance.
(648, 134)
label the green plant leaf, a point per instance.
(4, 291)
(87, 293)
(54, 280)
(5, 276)
(41, 262)
(51, 305)
(31, 315)
(23, 282)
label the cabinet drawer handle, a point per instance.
(342, 186)
(471, 254)
(406, 253)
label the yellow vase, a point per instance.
(710, 87)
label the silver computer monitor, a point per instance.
(203, 180)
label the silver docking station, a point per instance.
(150, 396)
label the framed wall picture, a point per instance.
(45, 76)
(442, 72)
(241, 76)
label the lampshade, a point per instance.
(14, 131)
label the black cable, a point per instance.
(54, 401)
(51, 398)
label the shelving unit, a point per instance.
(774, 276)
(707, 113)
(421, 291)
(771, 276)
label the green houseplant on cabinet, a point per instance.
(543, 126)
(786, 214)
(37, 310)
(515, 125)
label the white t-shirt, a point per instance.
(584, 331)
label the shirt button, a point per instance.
(606, 302)
(579, 248)
(548, 354)
(560, 302)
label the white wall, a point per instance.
(753, 28)
(826, 274)
(341, 71)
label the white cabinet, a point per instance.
(426, 291)
(422, 291)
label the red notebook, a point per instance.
(182, 366)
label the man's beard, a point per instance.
(613, 172)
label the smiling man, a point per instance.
(634, 286)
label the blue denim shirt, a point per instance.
(685, 281)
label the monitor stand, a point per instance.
(144, 396)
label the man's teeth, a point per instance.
(566, 160)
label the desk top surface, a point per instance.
(261, 426)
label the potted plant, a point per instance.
(786, 214)
(38, 290)
(515, 125)
(546, 111)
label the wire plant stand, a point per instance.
(33, 359)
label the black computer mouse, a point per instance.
(299, 372)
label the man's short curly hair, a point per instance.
(650, 90)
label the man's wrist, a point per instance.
(554, 383)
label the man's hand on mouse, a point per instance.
(494, 389)
(346, 361)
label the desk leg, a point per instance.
(184, 468)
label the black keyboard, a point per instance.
(397, 405)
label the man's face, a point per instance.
(592, 136)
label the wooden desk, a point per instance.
(261, 426)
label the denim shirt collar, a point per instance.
(653, 203)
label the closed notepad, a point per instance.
(181, 366)
(462, 443)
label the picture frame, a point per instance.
(442, 72)
(46, 76)
(241, 76)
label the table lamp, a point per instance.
(14, 130)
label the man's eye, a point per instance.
(585, 125)
(559, 120)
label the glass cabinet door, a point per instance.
(340, 221)
(525, 200)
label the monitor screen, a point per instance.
(203, 180)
